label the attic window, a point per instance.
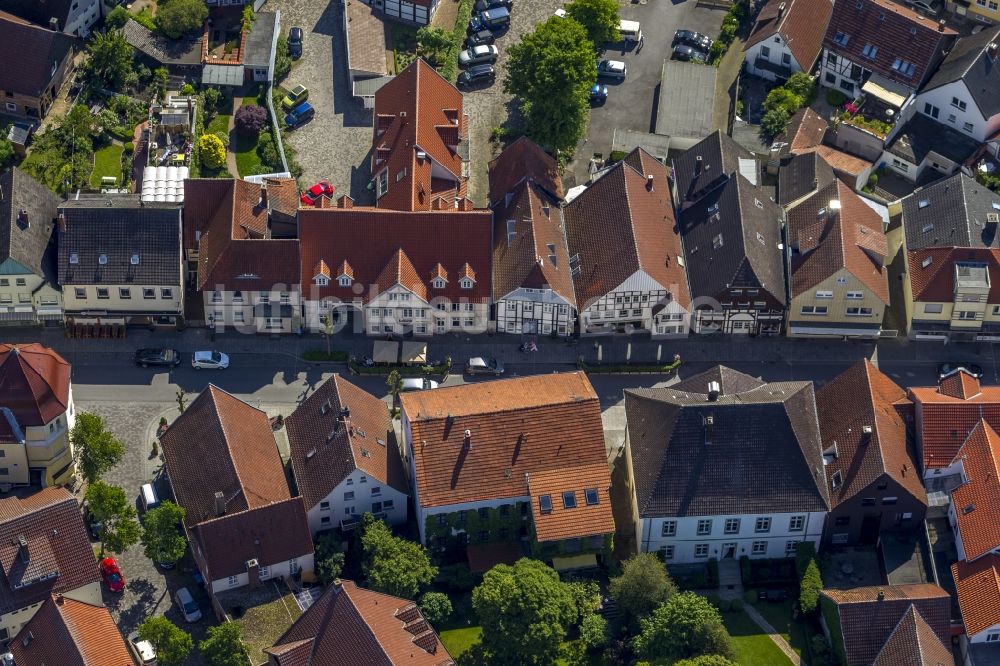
(344, 280)
(438, 283)
(760, 238)
(74, 258)
(592, 496)
(841, 38)
(923, 203)
(927, 227)
(569, 499)
(926, 262)
(717, 242)
(322, 280)
(465, 283)
(511, 231)
(870, 51)
(545, 503)
(757, 202)
(134, 260)
(102, 259)
(838, 479)
(968, 509)
(714, 208)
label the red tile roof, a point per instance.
(914, 643)
(959, 384)
(800, 23)
(935, 282)
(70, 633)
(584, 519)
(978, 586)
(524, 160)
(372, 241)
(805, 131)
(418, 110)
(842, 162)
(977, 501)
(34, 383)
(944, 422)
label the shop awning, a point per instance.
(588, 561)
(414, 352)
(385, 351)
(890, 92)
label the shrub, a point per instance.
(210, 101)
(267, 149)
(716, 51)
(250, 120)
(714, 599)
(212, 150)
(835, 98)
(187, 90)
(129, 148)
(873, 180)
(782, 98)
(812, 584)
(223, 137)
(774, 122)
(802, 85)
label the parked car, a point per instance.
(143, 650)
(948, 368)
(478, 55)
(111, 574)
(213, 360)
(187, 605)
(491, 19)
(685, 52)
(94, 526)
(297, 95)
(692, 38)
(598, 94)
(922, 7)
(483, 5)
(481, 365)
(312, 195)
(299, 115)
(614, 69)
(481, 37)
(295, 43)
(418, 384)
(147, 357)
(477, 74)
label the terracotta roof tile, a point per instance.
(914, 643)
(932, 272)
(945, 422)
(959, 384)
(978, 586)
(70, 633)
(801, 26)
(583, 518)
(805, 131)
(977, 501)
(842, 162)
(345, 269)
(34, 383)
(520, 161)
(322, 269)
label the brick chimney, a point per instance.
(220, 504)
(253, 572)
(464, 203)
(62, 222)
(263, 195)
(345, 201)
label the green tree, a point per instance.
(687, 625)
(524, 610)
(551, 70)
(802, 85)
(161, 77)
(706, 660)
(391, 564)
(248, 18)
(181, 399)
(805, 551)
(116, 18)
(810, 587)
(329, 568)
(642, 586)
(212, 150)
(6, 152)
(97, 449)
(210, 99)
(782, 98)
(436, 607)
(594, 631)
(111, 507)
(395, 384)
(598, 17)
(224, 646)
(178, 17)
(172, 644)
(161, 540)
(586, 596)
(774, 122)
(111, 58)
(282, 59)
(433, 43)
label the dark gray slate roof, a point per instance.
(802, 174)
(970, 62)
(731, 241)
(950, 213)
(183, 51)
(119, 231)
(27, 213)
(762, 453)
(259, 41)
(39, 11)
(720, 157)
(730, 381)
(921, 135)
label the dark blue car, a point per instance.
(299, 115)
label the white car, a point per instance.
(213, 360)
(144, 650)
(614, 69)
(478, 55)
(187, 604)
(418, 384)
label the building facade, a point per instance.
(786, 38)
(45, 59)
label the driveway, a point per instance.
(632, 103)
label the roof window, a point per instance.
(592, 496)
(569, 499)
(545, 503)
(923, 203)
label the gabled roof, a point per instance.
(806, 130)
(870, 615)
(953, 212)
(351, 625)
(801, 175)
(947, 419)
(38, 52)
(829, 242)
(222, 444)
(800, 23)
(761, 444)
(624, 223)
(932, 272)
(977, 501)
(184, 51)
(971, 62)
(914, 643)
(418, 110)
(589, 513)
(706, 165)
(921, 136)
(370, 240)
(517, 428)
(57, 558)
(70, 633)
(119, 227)
(897, 32)
(978, 586)
(730, 381)
(360, 440)
(524, 160)
(34, 383)
(27, 209)
(863, 398)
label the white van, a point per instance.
(149, 498)
(630, 30)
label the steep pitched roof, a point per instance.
(70, 633)
(978, 586)
(932, 271)
(947, 419)
(971, 62)
(352, 625)
(898, 32)
(921, 135)
(914, 643)
(862, 397)
(829, 242)
(38, 52)
(57, 557)
(806, 130)
(624, 223)
(370, 239)
(222, 444)
(34, 383)
(869, 616)
(706, 165)
(761, 444)
(800, 23)
(27, 209)
(953, 212)
(977, 501)
(524, 160)
(37, 12)
(802, 174)
(587, 514)
(362, 440)
(730, 381)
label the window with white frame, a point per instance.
(763, 524)
(322, 280)
(824, 294)
(820, 310)
(382, 183)
(701, 550)
(759, 548)
(796, 523)
(264, 572)
(790, 547)
(855, 295)
(438, 283)
(465, 283)
(667, 552)
(669, 528)
(993, 637)
(732, 525)
(704, 526)
(233, 581)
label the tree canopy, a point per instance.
(642, 586)
(172, 644)
(598, 17)
(224, 646)
(212, 151)
(176, 18)
(436, 607)
(391, 564)
(111, 507)
(250, 119)
(111, 58)
(161, 540)
(97, 449)
(686, 626)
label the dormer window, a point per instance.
(321, 280)
(102, 259)
(345, 281)
(841, 38)
(438, 283)
(465, 283)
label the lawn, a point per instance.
(457, 641)
(270, 610)
(219, 124)
(779, 615)
(107, 162)
(247, 158)
(752, 647)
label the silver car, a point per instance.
(418, 384)
(613, 69)
(478, 55)
(212, 360)
(187, 604)
(484, 366)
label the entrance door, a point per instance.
(870, 528)
(36, 476)
(728, 550)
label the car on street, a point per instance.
(296, 96)
(922, 7)
(613, 69)
(693, 39)
(312, 195)
(481, 37)
(477, 74)
(94, 526)
(299, 115)
(143, 650)
(111, 574)
(147, 357)
(483, 5)
(598, 94)
(187, 605)
(482, 365)
(418, 384)
(947, 368)
(492, 19)
(484, 54)
(213, 360)
(295, 43)
(685, 52)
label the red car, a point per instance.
(112, 575)
(310, 196)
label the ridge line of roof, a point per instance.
(871, 397)
(364, 619)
